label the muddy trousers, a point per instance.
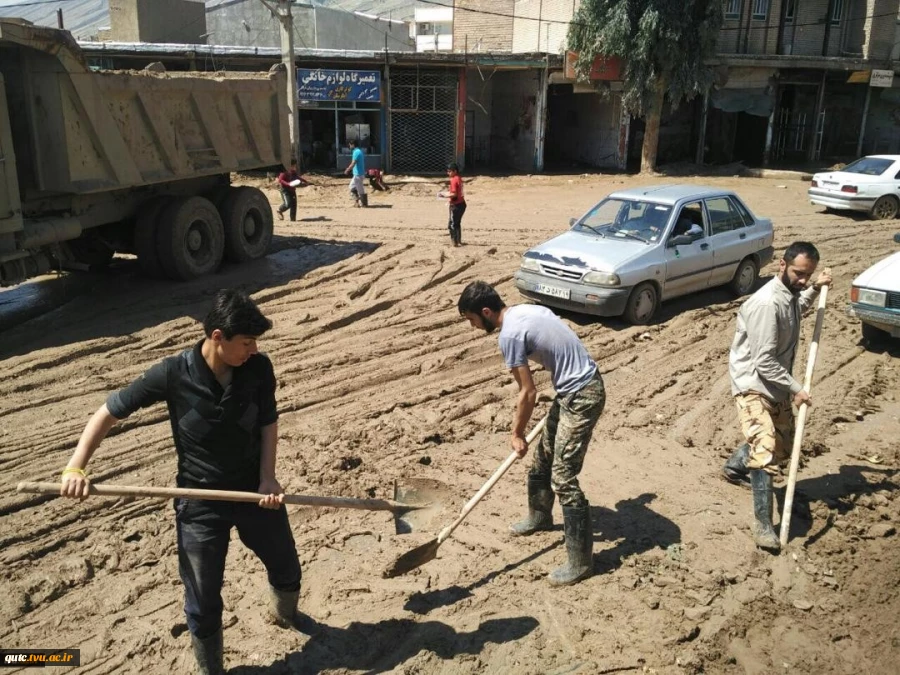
(558, 458)
(768, 427)
(203, 529)
(455, 222)
(288, 203)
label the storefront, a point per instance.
(335, 107)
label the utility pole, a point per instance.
(283, 13)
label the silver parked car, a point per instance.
(639, 247)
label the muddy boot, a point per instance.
(283, 611)
(763, 531)
(208, 652)
(735, 470)
(283, 606)
(540, 508)
(364, 200)
(579, 547)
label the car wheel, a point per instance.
(745, 277)
(885, 208)
(641, 305)
(872, 334)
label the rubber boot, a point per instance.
(735, 469)
(763, 531)
(364, 200)
(208, 652)
(579, 547)
(540, 508)
(283, 607)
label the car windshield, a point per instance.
(869, 166)
(626, 219)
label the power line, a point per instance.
(34, 3)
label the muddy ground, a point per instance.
(380, 381)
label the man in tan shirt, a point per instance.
(760, 363)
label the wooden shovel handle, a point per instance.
(220, 495)
(801, 421)
(498, 474)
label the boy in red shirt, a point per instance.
(288, 182)
(457, 202)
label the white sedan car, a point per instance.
(870, 185)
(875, 298)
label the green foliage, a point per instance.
(661, 42)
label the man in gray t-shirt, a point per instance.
(530, 332)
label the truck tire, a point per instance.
(191, 239)
(144, 241)
(247, 217)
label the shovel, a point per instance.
(428, 551)
(801, 421)
(399, 509)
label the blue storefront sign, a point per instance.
(338, 85)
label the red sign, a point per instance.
(603, 67)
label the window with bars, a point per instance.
(760, 9)
(837, 12)
(789, 11)
(733, 9)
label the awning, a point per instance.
(758, 102)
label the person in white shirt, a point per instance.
(759, 364)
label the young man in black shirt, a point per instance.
(221, 400)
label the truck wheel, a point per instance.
(145, 238)
(190, 239)
(885, 208)
(744, 277)
(641, 305)
(247, 217)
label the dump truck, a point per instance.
(97, 162)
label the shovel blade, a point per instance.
(413, 559)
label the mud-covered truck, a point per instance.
(98, 162)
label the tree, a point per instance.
(664, 45)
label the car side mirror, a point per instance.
(680, 240)
(572, 221)
(897, 237)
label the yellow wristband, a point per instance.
(80, 472)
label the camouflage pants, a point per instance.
(768, 427)
(559, 456)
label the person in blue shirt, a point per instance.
(358, 167)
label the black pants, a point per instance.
(203, 529)
(289, 202)
(455, 224)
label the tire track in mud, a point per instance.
(374, 363)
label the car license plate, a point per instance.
(828, 183)
(554, 291)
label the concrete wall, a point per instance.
(531, 35)
(180, 21)
(478, 32)
(250, 23)
(514, 115)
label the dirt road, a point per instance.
(380, 380)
